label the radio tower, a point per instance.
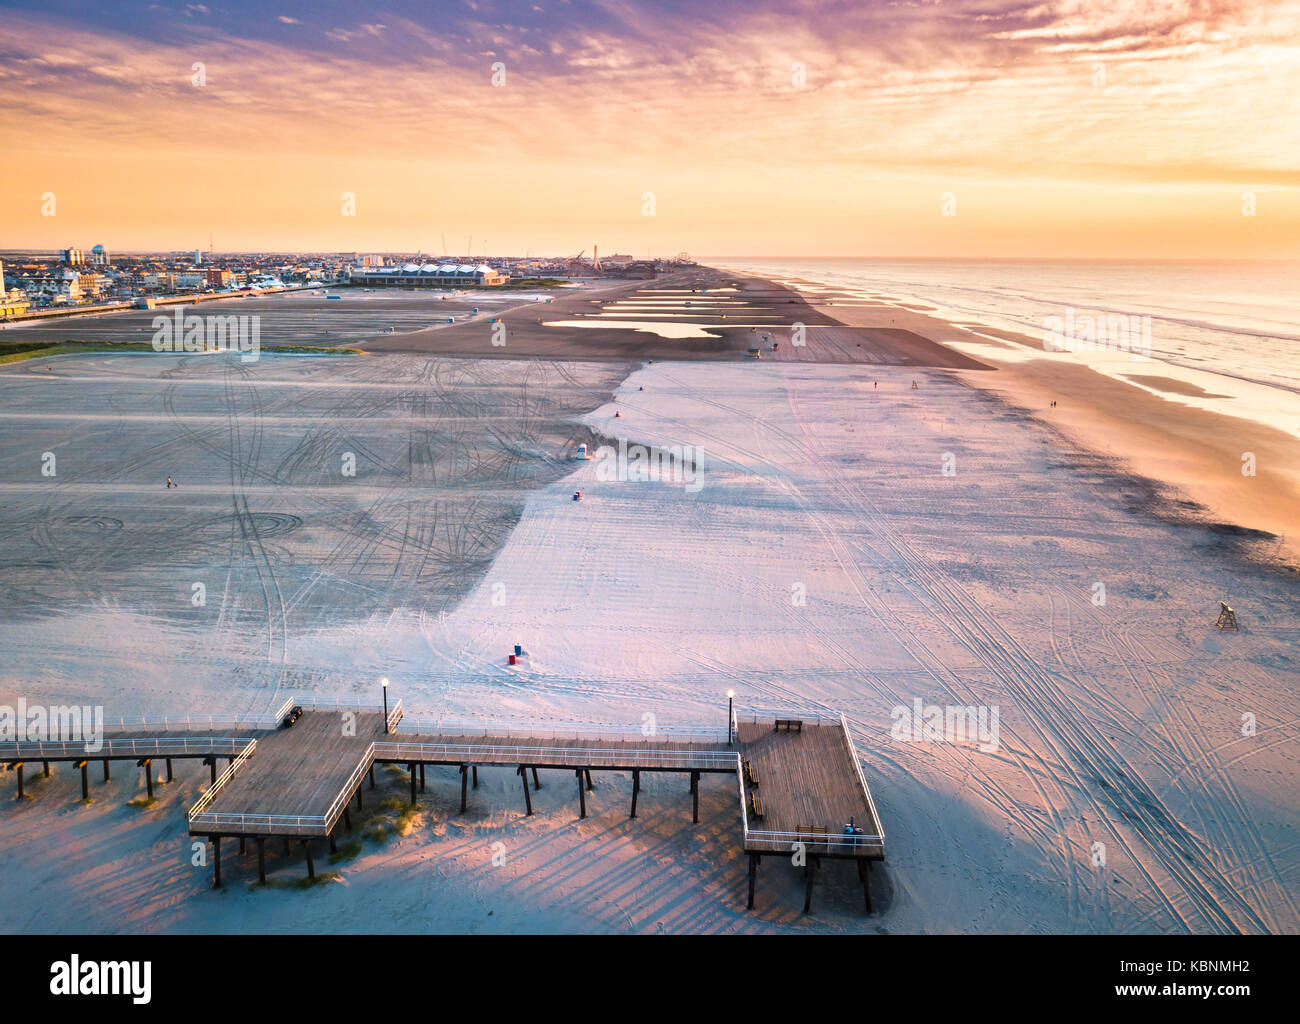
(595, 259)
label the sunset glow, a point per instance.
(1063, 129)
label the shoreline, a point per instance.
(1186, 450)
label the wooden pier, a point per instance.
(293, 775)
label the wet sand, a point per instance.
(1195, 454)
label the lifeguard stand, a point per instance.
(1227, 617)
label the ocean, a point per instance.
(1239, 321)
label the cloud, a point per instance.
(979, 91)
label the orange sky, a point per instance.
(1082, 129)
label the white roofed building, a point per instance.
(429, 275)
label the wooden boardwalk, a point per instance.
(800, 787)
(805, 782)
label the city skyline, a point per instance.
(1112, 131)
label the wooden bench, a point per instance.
(750, 775)
(755, 806)
(790, 725)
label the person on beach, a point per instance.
(170, 485)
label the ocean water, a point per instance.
(1233, 328)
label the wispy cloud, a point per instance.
(1069, 91)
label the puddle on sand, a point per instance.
(674, 332)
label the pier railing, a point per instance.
(197, 811)
(564, 757)
(862, 781)
(170, 746)
(813, 842)
(307, 824)
(552, 730)
(193, 723)
(312, 702)
(331, 815)
(810, 716)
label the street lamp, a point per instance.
(384, 683)
(731, 696)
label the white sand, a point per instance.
(1120, 725)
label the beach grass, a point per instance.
(18, 352)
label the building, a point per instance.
(57, 286)
(92, 285)
(218, 277)
(71, 257)
(429, 275)
(99, 256)
(14, 302)
(158, 282)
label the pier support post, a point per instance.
(19, 769)
(864, 876)
(636, 788)
(45, 768)
(169, 769)
(464, 786)
(243, 845)
(591, 786)
(476, 776)
(372, 778)
(311, 864)
(261, 860)
(582, 795)
(212, 763)
(358, 798)
(85, 779)
(334, 846)
(286, 846)
(422, 777)
(411, 766)
(347, 818)
(536, 784)
(695, 797)
(809, 872)
(105, 769)
(216, 862)
(528, 797)
(754, 858)
(147, 765)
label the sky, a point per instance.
(1099, 129)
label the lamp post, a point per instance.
(731, 696)
(384, 683)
